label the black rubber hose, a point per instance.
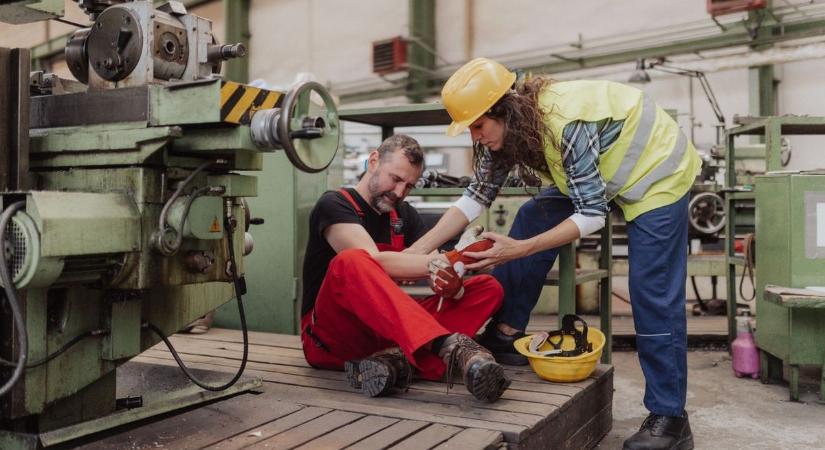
(11, 297)
(236, 282)
(702, 304)
(60, 351)
(750, 263)
(162, 225)
(179, 233)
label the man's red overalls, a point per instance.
(360, 310)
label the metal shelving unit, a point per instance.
(772, 129)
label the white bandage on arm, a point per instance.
(587, 224)
(471, 208)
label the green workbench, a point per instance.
(799, 341)
(790, 252)
(738, 190)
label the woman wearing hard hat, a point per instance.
(599, 142)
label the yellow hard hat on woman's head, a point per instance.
(472, 90)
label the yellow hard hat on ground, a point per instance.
(472, 90)
(565, 355)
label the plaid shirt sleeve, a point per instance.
(582, 143)
(485, 186)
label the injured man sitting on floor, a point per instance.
(356, 318)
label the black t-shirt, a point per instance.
(333, 208)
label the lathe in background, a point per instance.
(123, 203)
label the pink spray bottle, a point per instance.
(744, 350)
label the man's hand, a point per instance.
(445, 280)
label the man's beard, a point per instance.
(382, 201)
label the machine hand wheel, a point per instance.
(706, 213)
(309, 131)
(305, 126)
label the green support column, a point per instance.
(762, 84)
(421, 49)
(761, 79)
(730, 238)
(606, 289)
(567, 281)
(236, 17)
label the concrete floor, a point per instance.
(725, 412)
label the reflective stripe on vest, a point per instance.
(637, 146)
(647, 119)
(659, 172)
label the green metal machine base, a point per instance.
(167, 390)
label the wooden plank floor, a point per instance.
(623, 325)
(302, 407)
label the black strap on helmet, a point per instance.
(568, 327)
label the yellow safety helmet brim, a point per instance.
(562, 369)
(457, 128)
(472, 90)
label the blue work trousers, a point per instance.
(657, 253)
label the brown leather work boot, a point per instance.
(377, 374)
(483, 376)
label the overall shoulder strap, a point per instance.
(352, 201)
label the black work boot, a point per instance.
(483, 376)
(501, 346)
(377, 374)
(662, 432)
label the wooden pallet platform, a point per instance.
(302, 407)
(623, 325)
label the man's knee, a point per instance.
(489, 287)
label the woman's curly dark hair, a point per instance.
(525, 132)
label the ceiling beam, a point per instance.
(734, 35)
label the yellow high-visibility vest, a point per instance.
(651, 164)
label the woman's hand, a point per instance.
(504, 249)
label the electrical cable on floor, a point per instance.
(60, 351)
(238, 292)
(11, 297)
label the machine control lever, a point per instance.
(312, 128)
(307, 133)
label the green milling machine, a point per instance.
(124, 216)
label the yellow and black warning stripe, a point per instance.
(239, 101)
